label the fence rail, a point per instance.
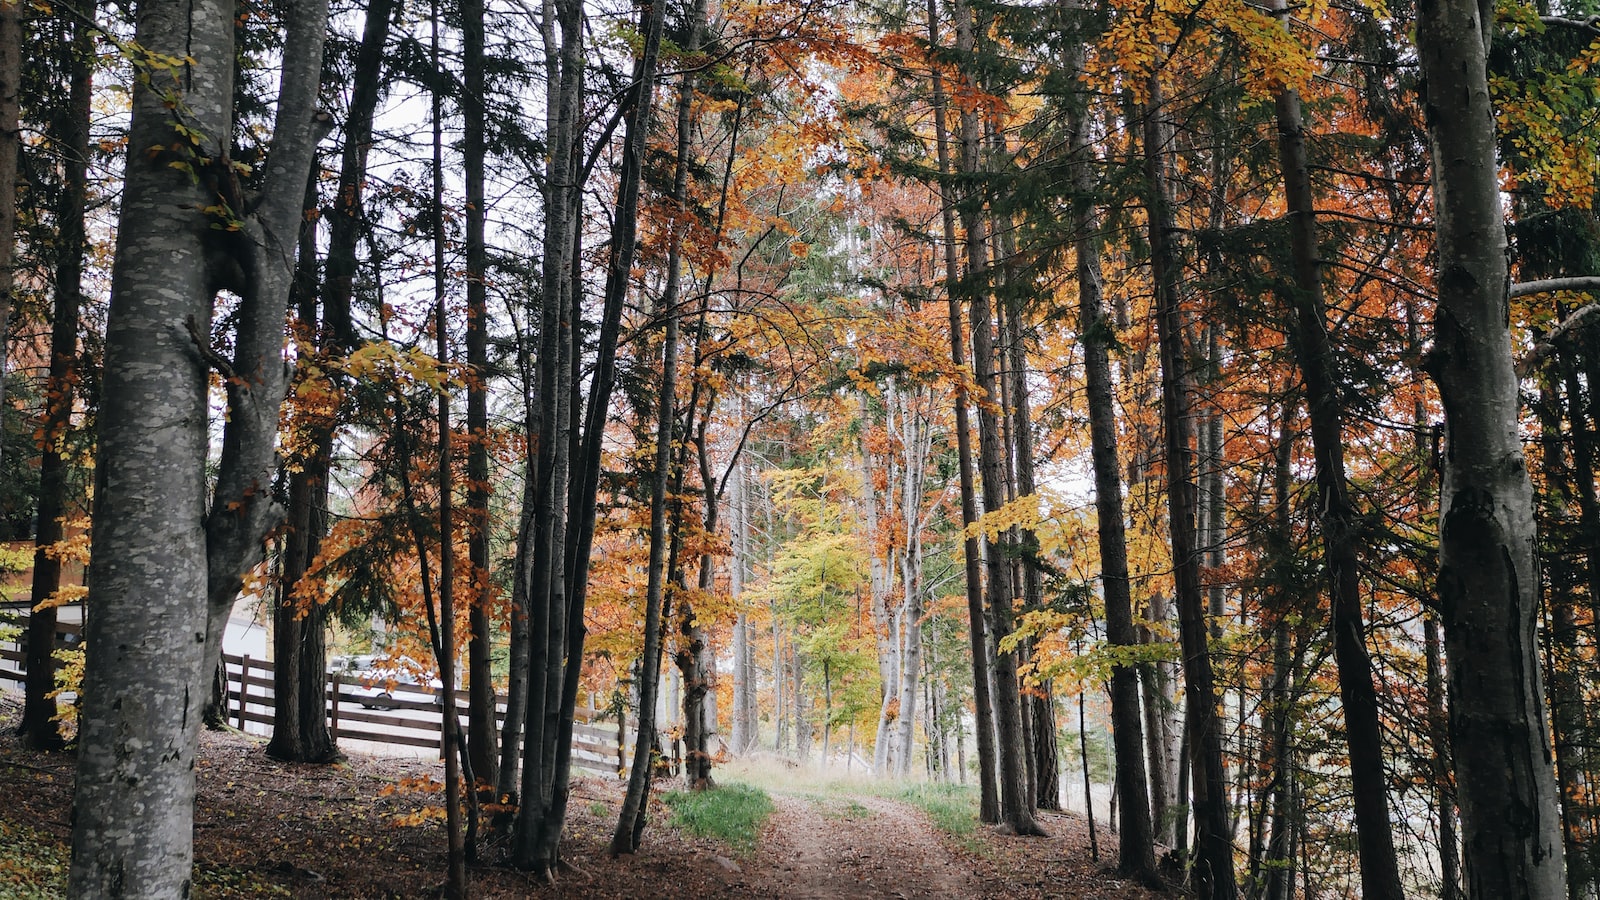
(404, 722)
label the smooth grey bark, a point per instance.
(745, 704)
(977, 619)
(1488, 576)
(1136, 850)
(165, 569)
(69, 135)
(886, 625)
(1308, 337)
(1214, 864)
(916, 444)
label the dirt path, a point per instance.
(817, 847)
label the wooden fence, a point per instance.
(597, 745)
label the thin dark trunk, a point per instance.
(444, 633)
(481, 738)
(626, 837)
(1279, 859)
(69, 135)
(1137, 846)
(1380, 869)
(1016, 804)
(989, 798)
(1214, 863)
(10, 154)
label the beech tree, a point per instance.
(166, 565)
(1488, 580)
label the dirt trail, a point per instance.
(816, 848)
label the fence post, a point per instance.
(333, 716)
(244, 686)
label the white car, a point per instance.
(379, 687)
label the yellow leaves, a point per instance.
(66, 594)
(1548, 121)
(1143, 39)
(69, 680)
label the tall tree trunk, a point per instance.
(745, 705)
(989, 798)
(443, 633)
(1444, 793)
(1488, 581)
(1016, 804)
(69, 134)
(626, 837)
(539, 560)
(1214, 865)
(1380, 869)
(300, 732)
(885, 620)
(164, 571)
(1279, 860)
(10, 153)
(1136, 849)
(915, 445)
(481, 738)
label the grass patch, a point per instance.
(953, 808)
(732, 813)
(844, 809)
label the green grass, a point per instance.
(953, 809)
(732, 813)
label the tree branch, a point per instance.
(1578, 320)
(1548, 285)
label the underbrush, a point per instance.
(33, 865)
(732, 813)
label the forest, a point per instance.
(855, 383)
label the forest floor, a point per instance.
(370, 828)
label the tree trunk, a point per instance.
(164, 573)
(481, 738)
(1488, 580)
(1136, 858)
(745, 705)
(1214, 865)
(915, 445)
(626, 837)
(69, 134)
(989, 799)
(443, 630)
(10, 153)
(539, 560)
(1308, 335)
